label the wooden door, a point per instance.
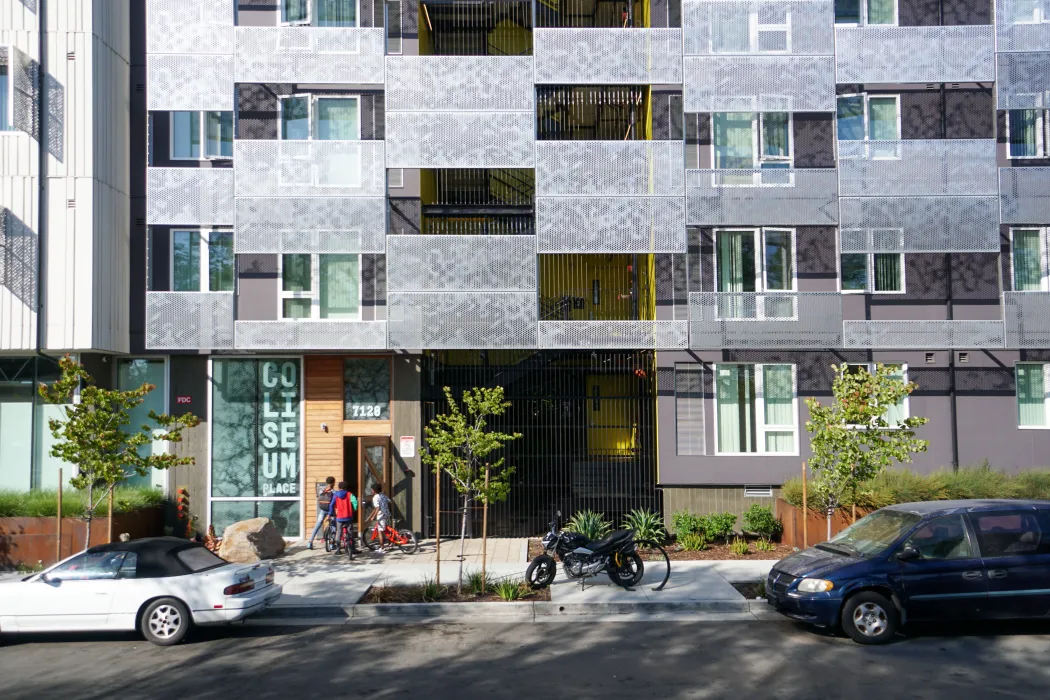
(373, 467)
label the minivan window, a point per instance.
(874, 533)
(943, 538)
(199, 559)
(1008, 534)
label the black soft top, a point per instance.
(156, 555)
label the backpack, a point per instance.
(324, 500)
(344, 508)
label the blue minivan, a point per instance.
(938, 560)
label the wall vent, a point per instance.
(758, 492)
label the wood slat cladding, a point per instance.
(323, 396)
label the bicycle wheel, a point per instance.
(410, 545)
(330, 543)
(348, 544)
(371, 540)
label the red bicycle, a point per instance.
(404, 539)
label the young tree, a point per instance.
(461, 444)
(93, 437)
(860, 433)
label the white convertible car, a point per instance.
(159, 585)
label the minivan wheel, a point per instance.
(870, 618)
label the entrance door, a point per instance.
(373, 468)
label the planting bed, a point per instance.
(712, 552)
(446, 594)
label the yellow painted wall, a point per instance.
(612, 429)
(512, 38)
(574, 275)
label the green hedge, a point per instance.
(904, 486)
(33, 504)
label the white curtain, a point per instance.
(736, 407)
(778, 402)
(1031, 395)
(337, 119)
(1027, 260)
(895, 414)
(339, 286)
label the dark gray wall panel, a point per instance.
(975, 277)
(405, 215)
(814, 134)
(970, 114)
(921, 114)
(817, 261)
(258, 110)
(918, 13)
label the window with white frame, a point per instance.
(314, 118)
(319, 13)
(1032, 381)
(201, 261)
(754, 260)
(753, 141)
(1026, 133)
(737, 28)
(321, 286)
(866, 118)
(899, 412)
(201, 135)
(1028, 259)
(756, 409)
(875, 273)
(866, 12)
(1026, 11)
(6, 103)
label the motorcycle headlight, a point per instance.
(814, 585)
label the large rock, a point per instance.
(250, 541)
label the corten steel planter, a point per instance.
(29, 540)
(791, 517)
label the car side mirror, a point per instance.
(909, 552)
(49, 579)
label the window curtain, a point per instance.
(733, 140)
(220, 261)
(736, 273)
(1027, 258)
(882, 12)
(882, 126)
(895, 414)
(336, 13)
(736, 408)
(297, 308)
(295, 276)
(4, 89)
(339, 286)
(337, 120)
(1024, 125)
(295, 10)
(730, 29)
(186, 134)
(1031, 403)
(777, 395)
(218, 131)
(775, 137)
(295, 118)
(186, 261)
(887, 272)
(850, 118)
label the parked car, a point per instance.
(159, 585)
(939, 560)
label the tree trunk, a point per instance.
(89, 512)
(462, 542)
(831, 512)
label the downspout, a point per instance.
(41, 227)
(949, 303)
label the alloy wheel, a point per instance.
(165, 622)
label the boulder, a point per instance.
(250, 541)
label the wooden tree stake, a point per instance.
(805, 510)
(58, 518)
(484, 530)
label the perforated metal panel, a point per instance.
(309, 168)
(25, 88)
(461, 263)
(498, 83)
(917, 167)
(310, 225)
(1015, 28)
(888, 54)
(614, 335)
(462, 320)
(189, 321)
(460, 139)
(1023, 80)
(189, 196)
(310, 334)
(610, 224)
(587, 56)
(759, 197)
(798, 27)
(310, 55)
(189, 82)
(919, 224)
(189, 26)
(609, 168)
(759, 84)
(1027, 317)
(787, 320)
(1024, 195)
(923, 335)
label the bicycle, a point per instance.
(345, 541)
(331, 543)
(404, 539)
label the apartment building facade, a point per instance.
(656, 224)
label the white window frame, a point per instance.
(204, 257)
(314, 295)
(762, 281)
(869, 287)
(754, 29)
(311, 113)
(778, 177)
(863, 11)
(310, 16)
(761, 427)
(1042, 140)
(868, 152)
(10, 95)
(1044, 259)
(1046, 397)
(870, 366)
(203, 125)
(1039, 16)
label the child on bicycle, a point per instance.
(324, 503)
(381, 513)
(343, 507)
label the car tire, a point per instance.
(870, 618)
(165, 622)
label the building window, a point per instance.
(739, 29)
(131, 374)
(319, 13)
(877, 273)
(1032, 378)
(869, 118)
(756, 409)
(366, 388)
(190, 131)
(866, 12)
(755, 260)
(320, 286)
(1026, 12)
(304, 117)
(1026, 133)
(1028, 259)
(201, 255)
(899, 412)
(750, 141)
(5, 98)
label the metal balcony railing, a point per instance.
(1027, 318)
(452, 83)
(765, 320)
(759, 83)
(310, 334)
(609, 168)
(936, 54)
(1022, 80)
(480, 224)
(189, 196)
(189, 321)
(925, 167)
(310, 55)
(1021, 25)
(190, 48)
(1024, 195)
(460, 139)
(614, 335)
(461, 263)
(462, 320)
(922, 335)
(310, 225)
(608, 56)
(743, 27)
(762, 197)
(189, 27)
(611, 225)
(919, 224)
(309, 168)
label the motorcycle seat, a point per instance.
(610, 542)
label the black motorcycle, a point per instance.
(614, 554)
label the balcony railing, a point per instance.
(1021, 25)
(762, 197)
(611, 225)
(1022, 80)
(917, 167)
(189, 27)
(923, 335)
(1024, 195)
(479, 224)
(310, 225)
(614, 335)
(309, 168)
(742, 27)
(1027, 317)
(310, 334)
(608, 56)
(460, 139)
(919, 224)
(937, 54)
(189, 321)
(451, 83)
(190, 82)
(462, 320)
(759, 83)
(310, 55)
(461, 263)
(765, 320)
(189, 196)
(609, 168)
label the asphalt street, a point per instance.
(775, 659)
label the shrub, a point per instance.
(38, 503)
(686, 522)
(764, 545)
(740, 547)
(589, 523)
(761, 521)
(720, 525)
(430, 591)
(509, 590)
(478, 583)
(693, 542)
(646, 524)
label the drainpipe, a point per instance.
(41, 228)
(949, 302)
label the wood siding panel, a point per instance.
(323, 396)
(705, 500)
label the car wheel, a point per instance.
(870, 618)
(165, 622)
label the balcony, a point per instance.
(1024, 195)
(310, 225)
(460, 139)
(309, 168)
(923, 335)
(743, 27)
(310, 334)
(189, 196)
(600, 56)
(762, 197)
(189, 82)
(576, 224)
(936, 54)
(1021, 25)
(189, 26)
(609, 168)
(1023, 80)
(917, 168)
(189, 321)
(461, 264)
(310, 55)
(614, 335)
(462, 320)
(775, 320)
(759, 83)
(459, 83)
(919, 224)
(190, 55)
(1027, 317)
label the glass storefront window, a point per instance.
(25, 438)
(131, 374)
(366, 388)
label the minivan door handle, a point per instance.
(972, 575)
(997, 573)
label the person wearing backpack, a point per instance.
(343, 508)
(324, 501)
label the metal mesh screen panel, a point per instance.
(919, 224)
(1015, 29)
(462, 320)
(887, 54)
(923, 335)
(460, 139)
(309, 168)
(1023, 80)
(917, 167)
(25, 88)
(610, 224)
(765, 320)
(310, 225)
(614, 335)
(690, 434)
(608, 56)
(189, 26)
(759, 84)
(1027, 316)
(189, 196)
(776, 197)
(310, 334)
(610, 168)
(461, 263)
(1024, 195)
(310, 55)
(798, 27)
(189, 82)
(189, 321)
(416, 83)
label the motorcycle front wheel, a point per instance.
(630, 571)
(541, 572)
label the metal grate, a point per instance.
(758, 492)
(1022, 80)
(488, 83)
(614, 335)
(762, 197)
(936, 54)
(462, 320)
(189, 321)
(1024, 195)
(917, 167)
(608, 56)
(186, 196)
(310, 334)
(789, 320)
(460, 139)
(25, 94)
(310, 55)
(1027, 319)
(759, 84)
(919, 224)
(309, 168)
(609, 168)
(189, 82)
(1015, 28)
(610, 225)
(189, 26)
(690, 431)
(461, 263)
(923, 335)
(310, 225)
(797, 27)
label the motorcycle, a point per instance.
(582, 558)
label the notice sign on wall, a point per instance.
(408, 446)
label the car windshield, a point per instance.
(199, 559)
(873, 534)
